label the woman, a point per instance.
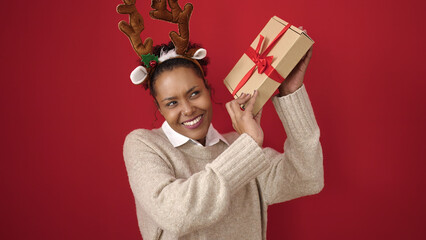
(188, 180)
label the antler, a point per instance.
(176, 15)
(134, 29)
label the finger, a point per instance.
(301, 28)
(235, 106)
(230, 110)
(235, 114)
(231, 113)
(258, 116)
(250, 103)
(243, 98)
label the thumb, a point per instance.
(258, 116)
(251, 101)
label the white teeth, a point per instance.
(193, 122)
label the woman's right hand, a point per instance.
(243, 121)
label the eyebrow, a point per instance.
(171, 98)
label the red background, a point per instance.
(67, 104)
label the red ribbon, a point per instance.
(262, 61)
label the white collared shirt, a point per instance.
(177, 139)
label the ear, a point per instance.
(138, 75)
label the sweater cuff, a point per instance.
(240, 163)
(296, 113)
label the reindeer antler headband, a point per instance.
(134, 28)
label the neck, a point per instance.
(202, 141)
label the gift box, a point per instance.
(268, 61)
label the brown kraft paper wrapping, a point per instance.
(287, 52)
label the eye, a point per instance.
(194, 94)
(171, 104)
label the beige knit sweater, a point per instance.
(222, 192)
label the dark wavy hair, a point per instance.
(173, 63)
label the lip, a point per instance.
(197, 124)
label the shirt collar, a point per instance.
(177, 139)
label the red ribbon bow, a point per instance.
(262, 61)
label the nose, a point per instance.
(187, 108)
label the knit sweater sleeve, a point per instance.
(179, 205)
(299, 170)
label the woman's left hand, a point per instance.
(295, 79)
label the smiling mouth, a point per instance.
(194, 122)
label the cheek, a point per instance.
(171, 115)
(202, 103)
(208, 103)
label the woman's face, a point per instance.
(184, 101)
